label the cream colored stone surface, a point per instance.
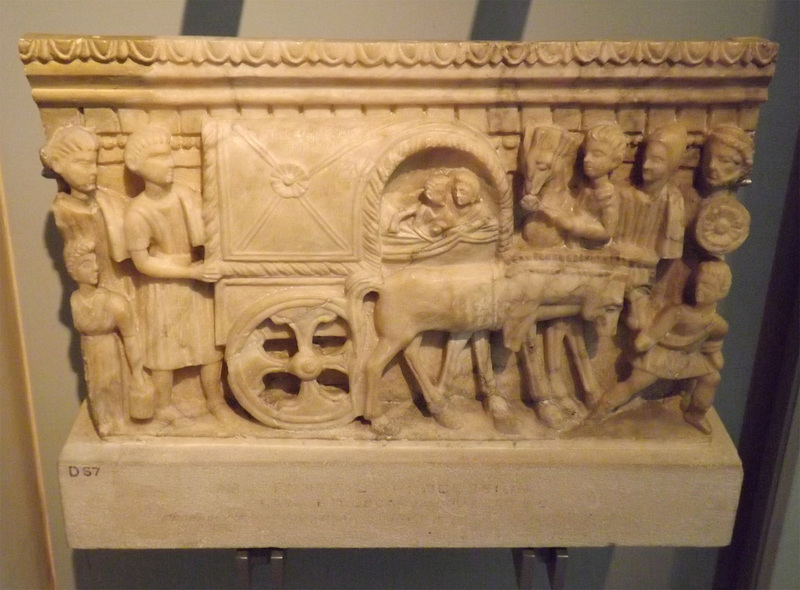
(187, 492)
(506, 241)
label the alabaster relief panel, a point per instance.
(431, 240)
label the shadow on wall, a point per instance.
(500, 20)
(55, 246)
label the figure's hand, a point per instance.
(561, 218)
(605, 191)
(210, 272)
(530, 203)
(643, 342)
(633, 322)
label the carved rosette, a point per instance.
(723, 225)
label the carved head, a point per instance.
(712, 282)
(548, 152)
(604, 150)
(466, 188)
(148, 153)
(71, 152)
(438, 187)
(727, 157)
(81, 261)
(664, 153)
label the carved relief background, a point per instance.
(433, 240)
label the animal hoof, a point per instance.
(385, 426)
(592, 398)
(225, 414)
(568, 407)
(167, 415)
(504, 419)
(448, 417)
(550, 414)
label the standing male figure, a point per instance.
(82, 209)
(653, 219)
(163, 229)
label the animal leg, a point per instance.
(380, 357)
(555, 334)
(499, 408)
(538, 386)
(438, 405)
(577, 345)
(455, 344)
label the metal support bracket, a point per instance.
(248, 559)
(554, 558)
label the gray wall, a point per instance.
(52, 348)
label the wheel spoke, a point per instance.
(304, 323)
(254, 362)
(337, 359)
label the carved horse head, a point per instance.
(547, 157)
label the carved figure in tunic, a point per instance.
(684, 341)
(90, 219)
(99, 315)
(599, 203)
(655, 221)
(652, 220)
(164, 227)
(82, 210)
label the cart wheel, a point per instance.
(288, 363)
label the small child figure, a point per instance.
(98, 313)
(683, 342)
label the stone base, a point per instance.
(584, 491)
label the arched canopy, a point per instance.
(416, 138)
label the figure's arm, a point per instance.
(578, 224)
(137, 237)
(164, 269)
(662, 324)
(589, 228)
(400, 216)
(713, 346)
(609, 216)
(131, 343)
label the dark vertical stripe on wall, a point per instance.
(217, 18)
(500, 20)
